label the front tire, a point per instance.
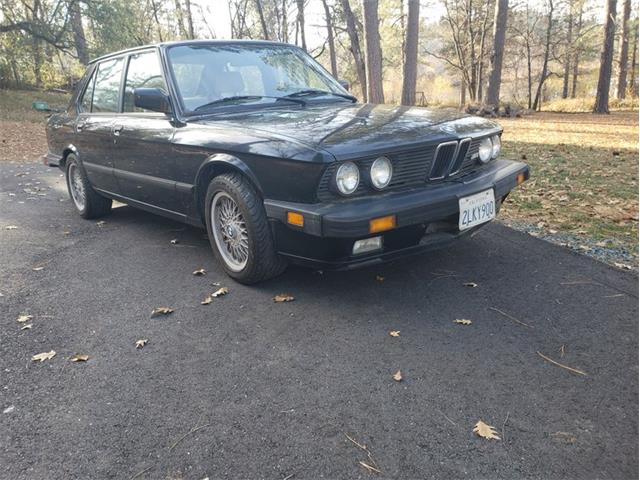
(87, 201)
(238, 230)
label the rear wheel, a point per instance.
(87, 201)
(239, 231)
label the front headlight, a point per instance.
(347, 178)
(485, 150)
(497, 145)
(381, 172)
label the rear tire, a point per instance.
(238, 230)
(87, 201)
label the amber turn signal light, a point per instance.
(295, 218)
(520, 178)
(381, 224)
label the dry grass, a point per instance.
(584, 175)
(585, 105)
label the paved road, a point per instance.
(246, 388)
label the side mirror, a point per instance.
(344, 84)
(152, 99)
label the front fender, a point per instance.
(223, 162)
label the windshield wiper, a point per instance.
(238, 98)
(316, 92)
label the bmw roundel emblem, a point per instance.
(447, 129)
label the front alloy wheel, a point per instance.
(238, 230)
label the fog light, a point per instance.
(381, 224)
(295, 218)
(367, 245)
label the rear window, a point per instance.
(106, 91)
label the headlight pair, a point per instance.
(489, 148)
(348, 175)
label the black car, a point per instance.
(257, 142)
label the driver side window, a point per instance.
(143, 72)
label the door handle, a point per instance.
(117, 130)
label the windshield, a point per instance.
(209, 75)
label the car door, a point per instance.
(144, 162)
(98, 107)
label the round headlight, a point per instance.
(381, 171)
(485, 149)
(347, 178)
(495, 140)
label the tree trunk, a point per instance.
(633, 92)
(463, 92)
(483, 41)
(606, 60)
(373, 51)
(624, 50)
(187, 4)
(567, 53)
(529, 75)
(356, 51)
(263, 22)
(410, 67)
(303, 39)
(332, 43)
(576, 53)
(180, 20)
(79, 39)
(545, 62)
(285, 25)
(499, 30)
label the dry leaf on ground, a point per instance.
(37, 269)
(175, 241)
(141, 343)
(397, 376)
(394, 333)
(207, 300)
(462, 321)
(161, 311)
(24, 318)
(11, 227)
(79, 357)
(199, 272)
(220, 292)
(283, 297)
(101, 223)
(44, 356)
(470, 284)
(27, 327)
(485, 431)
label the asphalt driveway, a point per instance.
(248, 388)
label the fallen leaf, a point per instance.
(206, 301)
(470, 284)
(200, 272)
(215, 284)
(220, 292)
(37, 269)
(11, 227)
(175, 241)
(283, 297)
(394, 333)
(101, 223)
(379, 278)
(27, 327)
(161, 311)
(463, 321)
(9, 409)
(44, 356)
(141, 343)
(564, 437)
(78, 357)
(369, 467)
(623, 266)
(485, 431)
(397, 376)
(24, 318)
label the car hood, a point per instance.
(354, 130)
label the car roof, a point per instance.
(189, 42)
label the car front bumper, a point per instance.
(426, 218)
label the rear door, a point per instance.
(99, 106)
(145, 161)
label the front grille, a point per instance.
(413, 167)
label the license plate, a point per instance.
(477, 209)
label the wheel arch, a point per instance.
(69, 149)
(218, 164)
